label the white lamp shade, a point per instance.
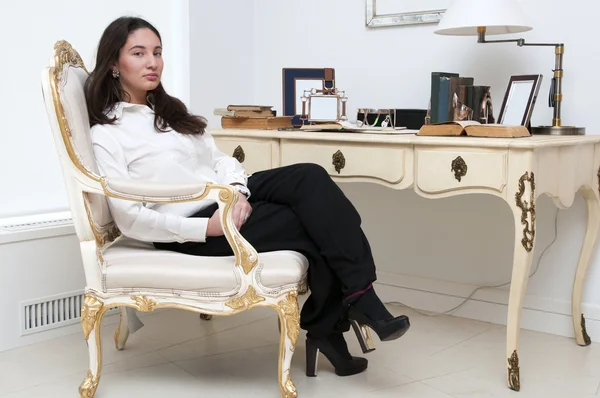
(497, 16)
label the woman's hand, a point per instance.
(214, 227)
(241, 211)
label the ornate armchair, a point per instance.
(124, 273)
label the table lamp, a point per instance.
(494, 17)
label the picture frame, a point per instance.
(324, 108)
(382, 13)
(296, 81)
(519, 100)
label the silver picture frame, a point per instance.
(374, 20)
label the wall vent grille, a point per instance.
(52, 312)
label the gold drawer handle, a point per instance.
(339, 161)
(598, 179)
(459, 167)
(239, 154)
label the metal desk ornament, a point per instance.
(326, 105)
(367, 117)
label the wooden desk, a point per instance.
(516, 170)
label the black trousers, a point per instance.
(300, 208)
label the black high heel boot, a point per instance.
(336, 351)
(369, 311)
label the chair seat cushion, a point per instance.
(132, 264)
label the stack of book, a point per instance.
(252, 117)
(451, 93)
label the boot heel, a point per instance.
(363, 334)
(312, 359)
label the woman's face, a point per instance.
(140, 64)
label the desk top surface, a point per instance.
(409, 137)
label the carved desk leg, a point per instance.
(592, 199)
(523, 209)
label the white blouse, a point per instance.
(133, 148)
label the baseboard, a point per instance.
(541, 314)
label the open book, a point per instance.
(474, 129)
(347, 126)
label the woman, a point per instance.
(140, 132)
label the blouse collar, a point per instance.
(119, 107)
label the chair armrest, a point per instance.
(151, 191)
(159, 192)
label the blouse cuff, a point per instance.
(233, 177)
(193, 229)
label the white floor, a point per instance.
(177, 355)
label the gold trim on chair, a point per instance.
(93, 310)
(248, 300)
(287, 308)
(88, 387)
(101, 236)
(144, 303)
(289, 318)
(246, 256)
(64, 54)
(89, 314)
(291, 314)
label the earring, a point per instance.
(116, 73)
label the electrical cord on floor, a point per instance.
(431, 313)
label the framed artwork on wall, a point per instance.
(380, 13)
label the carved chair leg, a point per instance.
(587, 250)
(92, 312)
(289, 320)
(122, 332)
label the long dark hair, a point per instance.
(103, 91)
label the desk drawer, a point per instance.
(443, 170)
(379, 161)
(254, 154)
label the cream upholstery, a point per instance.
(121, 272)
(133, 264)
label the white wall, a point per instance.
(31, 271)
(30, 174)
(390, 67)
(28, 163)
(221, 56)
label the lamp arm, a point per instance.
(555, 97)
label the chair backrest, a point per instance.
(62, 86)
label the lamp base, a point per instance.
(557, 130)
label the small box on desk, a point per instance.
(412, 119)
